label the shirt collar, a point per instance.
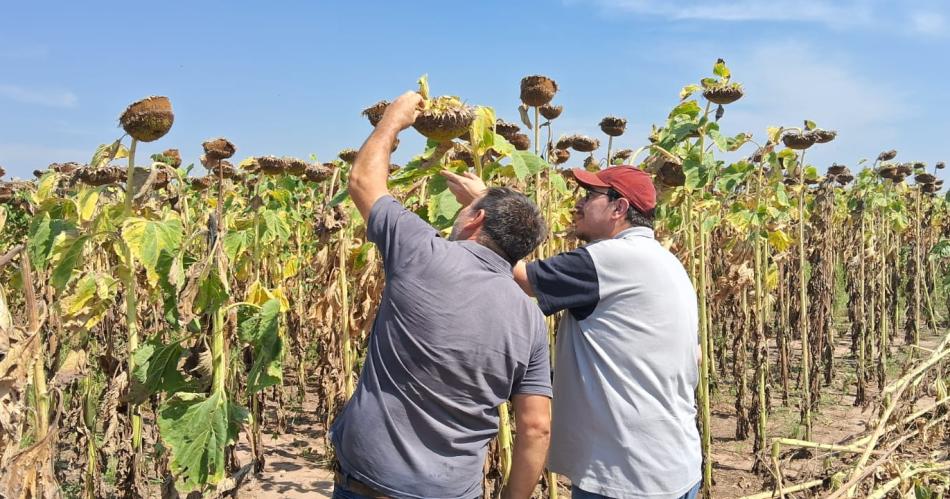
(492, 260)
(635, 232)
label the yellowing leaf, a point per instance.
(148, 240)
(86, 203)
(91, 298)
(291, 267)
(257, 293)
(46, 187)
(780, 240)
(278, 294)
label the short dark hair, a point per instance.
(513, 223)
(635, 217)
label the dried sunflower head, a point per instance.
(623, 154)
(887, 155)
(173, 157)
(794, 139)
(565, 142)
(583, 143)
(444, 119)
(836, 169)
(148, 119)
(940, 166)
(887, 171)
(560, 156)
(613, 126)
(591, 164)
(723, 92)
(348, 155)
(905, 169)
(65, 168)
(550, 111)
(537, 90)
(375, 112)
(219, 148)
(506, 129)
(3, 171)
(521, 141)
(822, 136)
(844, 178)
(318, 173)
(105, 175)
(925, 178)
(202, 183)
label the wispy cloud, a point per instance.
(788, 82)
(928, 23)
(831, 13)
(43, 97)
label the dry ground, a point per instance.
(296, 464)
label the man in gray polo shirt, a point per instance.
(624, 422)
(454, 337)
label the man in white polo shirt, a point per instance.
(624, 414)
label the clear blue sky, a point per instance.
(290, 78)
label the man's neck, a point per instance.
(618, 228)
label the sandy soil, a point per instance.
(296, 464)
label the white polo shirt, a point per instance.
(624, 416)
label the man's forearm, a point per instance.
(368, 178)
(527, 464)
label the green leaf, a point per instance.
(156, 370)
(689, 90)
(274, 227)
(43, 232)
(442, 206)
(922, 491)
(67, 256)
(526, 163)
(212, 293)
(236, 242)
(941, 249)
(710, 222)
(258, 327)
(558, 182)
(810, 125)
(721, 70)
(689, 108)
(148, 239)
(197, 428)
(339, 197)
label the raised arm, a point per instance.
(520, 272)
(533, 424)
(371, 169)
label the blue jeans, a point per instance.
(577, 493)
(339, 492)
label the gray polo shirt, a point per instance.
(624, 418)
(454, 337)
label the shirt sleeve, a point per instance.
(401, 236)
(566, 281)
(537, 375)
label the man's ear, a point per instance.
(478, 218)
(622, 206)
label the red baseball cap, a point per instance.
(634, 184)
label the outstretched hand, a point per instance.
(466, 187)
(403, 111)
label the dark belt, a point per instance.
(357, 487)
